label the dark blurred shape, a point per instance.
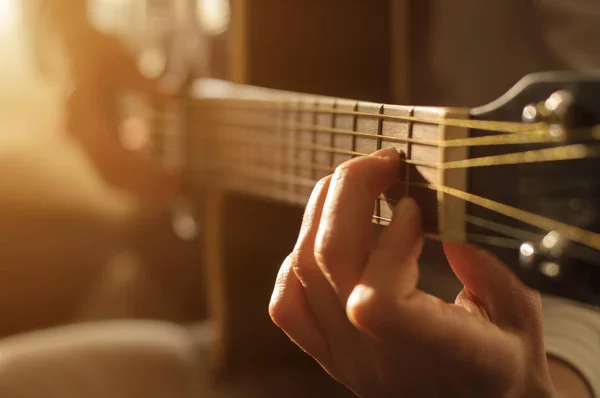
(336, 47)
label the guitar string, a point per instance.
(534, 137)
(571, 152)
(515, 236)
(471, 237)
(485, 125)
(561, 153)
(378, 220)
(267, 105)
(493, 226)
(539, 135)
(519, 235)
(576, 234)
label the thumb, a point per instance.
(508, 302)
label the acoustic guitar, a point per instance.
(517, 176)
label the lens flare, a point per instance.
(7, 14)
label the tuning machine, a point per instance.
(546, 257)
(562, 115)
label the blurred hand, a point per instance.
(355, 307)
(102, 71)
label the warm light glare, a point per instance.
(29, 104)
(7, 14)
(214, 16)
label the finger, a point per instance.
(389, 282)
(345, 235)
(289, 307)
(344, 341)
(402, 240)
(312, 216)
(290, 311)
(472, 304)
(507, 301)
(387, 305)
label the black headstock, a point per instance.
(567, 191)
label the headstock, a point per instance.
(567, 191)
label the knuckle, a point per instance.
(317, 190)
(281, 304)
(370, 173)
(321, 183)
(345, 171)
(362, 309)
(278, 312)
(325, 255)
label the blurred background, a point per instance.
(86, 226)
(73, 245)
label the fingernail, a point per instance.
(386, 153)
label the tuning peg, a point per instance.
(530, 114)
(559, 104)
(562, 114)
(546, 256)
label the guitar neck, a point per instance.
(276, 145)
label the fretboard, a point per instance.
(277, 145)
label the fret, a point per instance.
(290, 117)
(313, 135)
(379, 127)
(296, 152)
(408, 171)
(345, 122)
(305, 137)
(271, 156)
(280, 153)
(397, 129)
(323, 119)
(377, 214)
(332, 136)
(354, 127)
(367, 125)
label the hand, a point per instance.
(354, 305)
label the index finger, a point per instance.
(344, 237)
